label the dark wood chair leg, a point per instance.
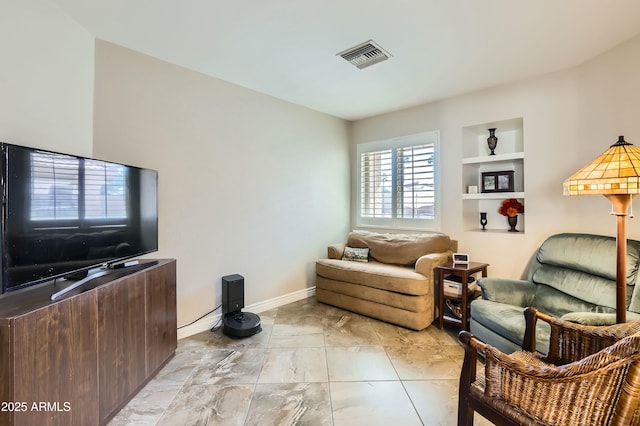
(467, 376)
(529, 340)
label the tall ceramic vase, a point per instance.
(492, 140)
(513, 221)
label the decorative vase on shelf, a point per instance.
(492, 140)
(513, 221)
(483, 220)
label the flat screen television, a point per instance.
(63, 215)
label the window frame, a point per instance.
(432, 137)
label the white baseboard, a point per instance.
(211, 320)
(281, 300)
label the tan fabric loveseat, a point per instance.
(394, 284)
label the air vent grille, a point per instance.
(365, 54)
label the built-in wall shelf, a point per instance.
(497, 231)
(477, 159)
(493, 196)
(493, 159)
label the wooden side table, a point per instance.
(464, 271)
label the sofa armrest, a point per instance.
(336, 251)
(504, 290)
(427, 263)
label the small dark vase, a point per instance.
(483, 220)
(492, 140)
(513, 221)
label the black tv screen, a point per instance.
(64, 214)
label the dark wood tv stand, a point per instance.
(78, 360)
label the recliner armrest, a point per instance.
(571, 341)
(504, 290)
(590, 318)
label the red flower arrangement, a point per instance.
(511, 207)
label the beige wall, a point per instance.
(248, 184)
(253, 185)
(570, 117)
(46, 78)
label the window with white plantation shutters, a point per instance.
(415, 182)
(397, 182)
(376, 178)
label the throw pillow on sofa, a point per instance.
(356, 254)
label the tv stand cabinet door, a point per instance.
(121, 341)
(6, 378)
(55, 361)
(162, 329)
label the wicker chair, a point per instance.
(591, 376)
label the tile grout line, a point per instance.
(326, 359)
(182, 386)
(255, 385)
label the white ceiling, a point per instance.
(287, 48)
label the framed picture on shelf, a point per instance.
(497, 181)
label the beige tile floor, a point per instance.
(312, 364)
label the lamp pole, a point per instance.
(621, 203)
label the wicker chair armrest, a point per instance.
(572, 392)
(569, 341)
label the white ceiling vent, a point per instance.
(365, 54)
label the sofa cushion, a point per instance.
(556, 303)
(634, 305)
(592, 254)
(590, 288)
(491, 338)
(406, 302)
(400, 249)
(409, 319)
(396, 278)
(508, 322)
